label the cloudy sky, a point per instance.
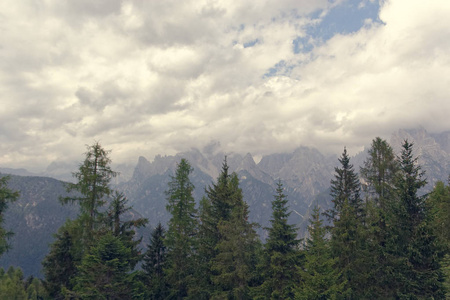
(259, 76)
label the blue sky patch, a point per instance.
(251, 43)
(346, 18)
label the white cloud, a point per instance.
(148, 77)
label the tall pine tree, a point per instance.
(125, 230)
(378, 175)
(182, 229)
(281, 256)
(415, 250)
(227, 241)
(154, 263)
(320, 278)
(379, 171)
(60, 265)
(214, 208)
(345, 187)
(348, 233)
(235, 260)
(93, 179)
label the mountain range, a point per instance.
(305, 174)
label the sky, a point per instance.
(260, 76)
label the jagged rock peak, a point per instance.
(248, 162)
(142, 168)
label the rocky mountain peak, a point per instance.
(142, 168)
(248, 162)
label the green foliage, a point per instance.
(214, 208)
(378, 175)
(93, 180)
(320, 278)
(446, 271)
(227, 242)
(207, 240)
(60, 264)
(182, 229)
(439, 201)
(348, 242)
(103, 273)
(235, 260)
(349, 247)
(379, 171)
(12, 284)
(14, 287)
(125, 230)
(281, 252)
(345, 187)
(35, 289)
(154, 263)
(93, 255)
(6, 196)
(414, 248)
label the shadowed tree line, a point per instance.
(382, 239)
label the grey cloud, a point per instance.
(75, 13)
(106, 94)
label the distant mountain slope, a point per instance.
(34, 218)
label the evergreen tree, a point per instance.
(154, 263)
(378, 172)
(439, 203)
(348, 234)
(416, 271)
(221, 194)
(35, 289)
(446, 271)
(182, 229)
(125, 230)
(103, 273)
(348, 244)
(345, 187)
(320, 278)
(12, 284)
(235, 260)
(207, 240)
(378, 175)
(59, 266)
(93, 180)
(6, 196)
(214, 208)
(281, 251)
